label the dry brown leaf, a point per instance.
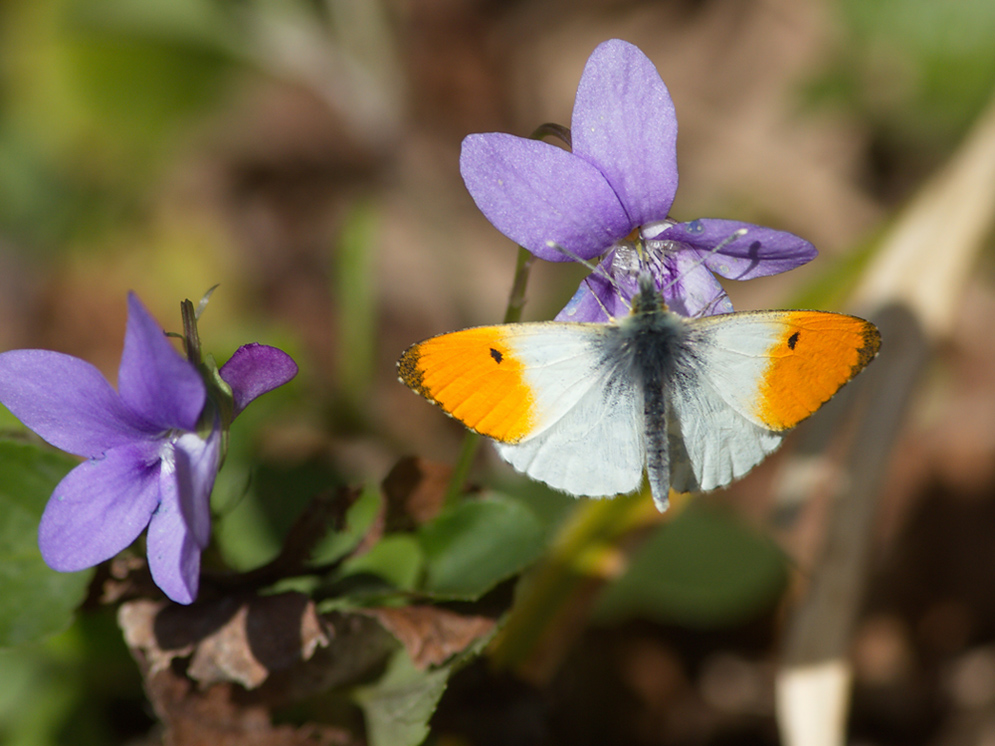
(233, 639)
(415, 490)
(215, 717)
(431, 635)
(270, 633)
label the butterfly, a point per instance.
(695, 403)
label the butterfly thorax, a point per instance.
(652, 333)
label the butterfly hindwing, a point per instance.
(595, 447)
(711, 443)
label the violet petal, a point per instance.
(154, 380)
(100, 507)
(196, 463)
(758, 253)
(599, 300)
(589, 303)
(625, 124)
(67, 402)
(255, 369)
(173, 551)
(689, 289)
(534, 192)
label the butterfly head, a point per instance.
(648, 300)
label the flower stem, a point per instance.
(554, 600)
(355, 291)
(512, 314)
(516, 299)
(554, 130)
(468, 451)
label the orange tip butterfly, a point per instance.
(588, 407)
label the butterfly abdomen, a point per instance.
(658, 343)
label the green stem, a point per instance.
(512, 314)
(355, 293)
(586, 549)
(516, 299)
(468, 451)
(553, 130)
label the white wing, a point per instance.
(590, 441)
(711, 443)
(714, 437)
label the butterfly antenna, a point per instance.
(604, 310)
(708, 310)
(594, 269)
(714, 250)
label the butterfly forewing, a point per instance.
(508, 382)
(472, 376)
(562, 410)
(778, 367)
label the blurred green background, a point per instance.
(304, 155)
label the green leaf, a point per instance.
(359, 519)
(254, 523)
(471, 547)
(37, 600)
(399, 706)
(704, 569)
(397, 558)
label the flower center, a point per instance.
(167, 450)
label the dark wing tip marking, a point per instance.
(867, 352)
(408, 371)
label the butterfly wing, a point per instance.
(748, 377)
(565, 405)
(711, 443)
(562, 411)
(596, 447)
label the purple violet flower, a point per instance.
(616, 186)
(153, 447)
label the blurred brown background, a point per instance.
(304, 155)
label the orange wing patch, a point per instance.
(816, 354)
(474, 376)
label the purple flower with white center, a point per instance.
(153, 447)
(618, 184)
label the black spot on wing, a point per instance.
(496, 354)
(793, 340)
